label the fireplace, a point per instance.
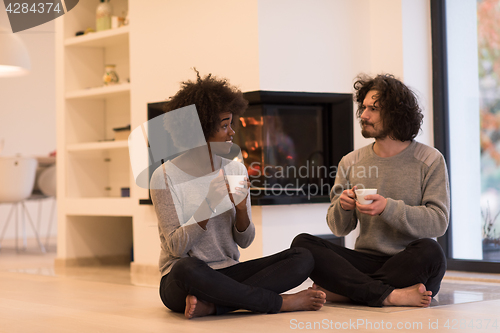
(291, 143)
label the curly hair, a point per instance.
(212, 96)
(400, 112)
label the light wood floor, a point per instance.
(36, 298)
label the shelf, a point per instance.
(100, 92)
(100, 39)
(94, 219)
(99, 206)
(96, 146)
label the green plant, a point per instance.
(490, 231)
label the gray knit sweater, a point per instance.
(415, 184)
(180, 235)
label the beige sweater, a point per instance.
(415, 184)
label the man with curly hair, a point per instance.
(395, 260)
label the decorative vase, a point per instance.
(110, 77)
(491, 249)
(103, 16)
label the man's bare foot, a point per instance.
(197, 308)
(416, 295)
(305, 300)
(330, 297)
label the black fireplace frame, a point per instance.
(338, 127)
(338, 139)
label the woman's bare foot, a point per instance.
(330, 297)
(197, 308)
(305, 300)
(416, 295)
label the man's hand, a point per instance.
(375, 208)
(348, 199)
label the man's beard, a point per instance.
(380, 134)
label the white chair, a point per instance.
(17, 178)
(47, 184)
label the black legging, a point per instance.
(369, 279)
(253, 285)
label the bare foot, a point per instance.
(305, 300)
(197, 308)
(415, 295)
(330, 297)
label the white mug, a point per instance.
(361, 192)
(234, 181)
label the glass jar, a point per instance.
(103, 16)
(110, 77)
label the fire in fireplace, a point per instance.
(292, 142)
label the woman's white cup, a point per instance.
(234, 181)
(361, 192)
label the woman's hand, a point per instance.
(239, 198)
(218, 190)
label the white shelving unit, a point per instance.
(90, 146)
(100, 92)
(99, 207)
(93, 168)
(101, 39)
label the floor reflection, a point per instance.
(450, 293)
(466, 292)
(114, 274)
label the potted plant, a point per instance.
(491, 235)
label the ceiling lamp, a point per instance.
(14, 57)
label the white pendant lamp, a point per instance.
(14, 57)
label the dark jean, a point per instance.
(253, 285)
(369, 279)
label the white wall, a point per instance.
(27, 110)
(417, 55)
(313, 46)
(280, 224)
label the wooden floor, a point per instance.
(36, 298)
